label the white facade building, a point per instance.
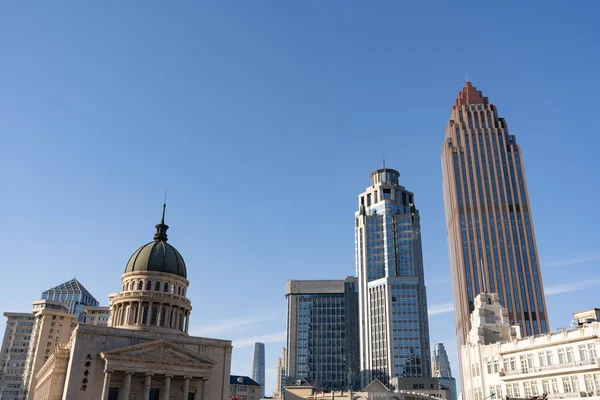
(497, 362)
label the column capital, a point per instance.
(108, 371)
(149, 374)
(187, 377)
(168, 376)
(128, 372)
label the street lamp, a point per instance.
(491, 395)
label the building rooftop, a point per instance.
(242, 380)
(158, 255)
(70, 287)
(469, 95)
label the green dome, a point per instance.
(158, 255)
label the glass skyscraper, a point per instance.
(394, 330)
(491, 240)
(258, 366)
(74, 295)
(322, 333)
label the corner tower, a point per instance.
(154, 287)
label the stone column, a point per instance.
(167, 387)
(187, 321)
(149, 317)
(106, 385)
(147, 385)
(159, 314)
(173, 317)
(204, 388)
(127, 386)
(186, 387)
(140, 312)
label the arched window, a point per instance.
(123, 289)
(172, 288)
(127, 286)
(179, 290)
(149, 285)
(140, 285)
(166, 288)
(157, 287)
(183, 292)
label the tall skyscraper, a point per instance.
(440, 366)
(322, 333)
(394, 331)
(281, 374)
(258, 366)
(491, 240)
(13, 355)
(74, 295)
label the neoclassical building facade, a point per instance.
(145, 352)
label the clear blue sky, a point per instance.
(263, 119)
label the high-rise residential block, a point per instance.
(74, 295)
(394, 330)
(52, 329)
(322, 333)
(13, 355)
(258, 366)
(489, 224)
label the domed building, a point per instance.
(146, 352)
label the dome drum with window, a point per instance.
(154, 288)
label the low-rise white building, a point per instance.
(498, 362)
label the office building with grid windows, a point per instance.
(322, 333)
(491, 241)
(394, 329)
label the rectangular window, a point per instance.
(496, 365)
(523, 360)
(113, 393)
(570, 357)
(549, 357)
(592, 351)
(562, 359)
(509, 390)
(583, 352)
(527, 387)
(534, 388)
(542, 358)
(567, 384)
(589, 382)
(530, 362)
(554, 382)
(517, 389)
(387, 194)
(545, 386)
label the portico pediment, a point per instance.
(159, 352)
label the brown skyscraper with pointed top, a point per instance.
(491, 241)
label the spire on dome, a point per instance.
(161, 229)
(469, 95)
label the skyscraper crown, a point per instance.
(469, 95)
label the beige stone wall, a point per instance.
(95, 339)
